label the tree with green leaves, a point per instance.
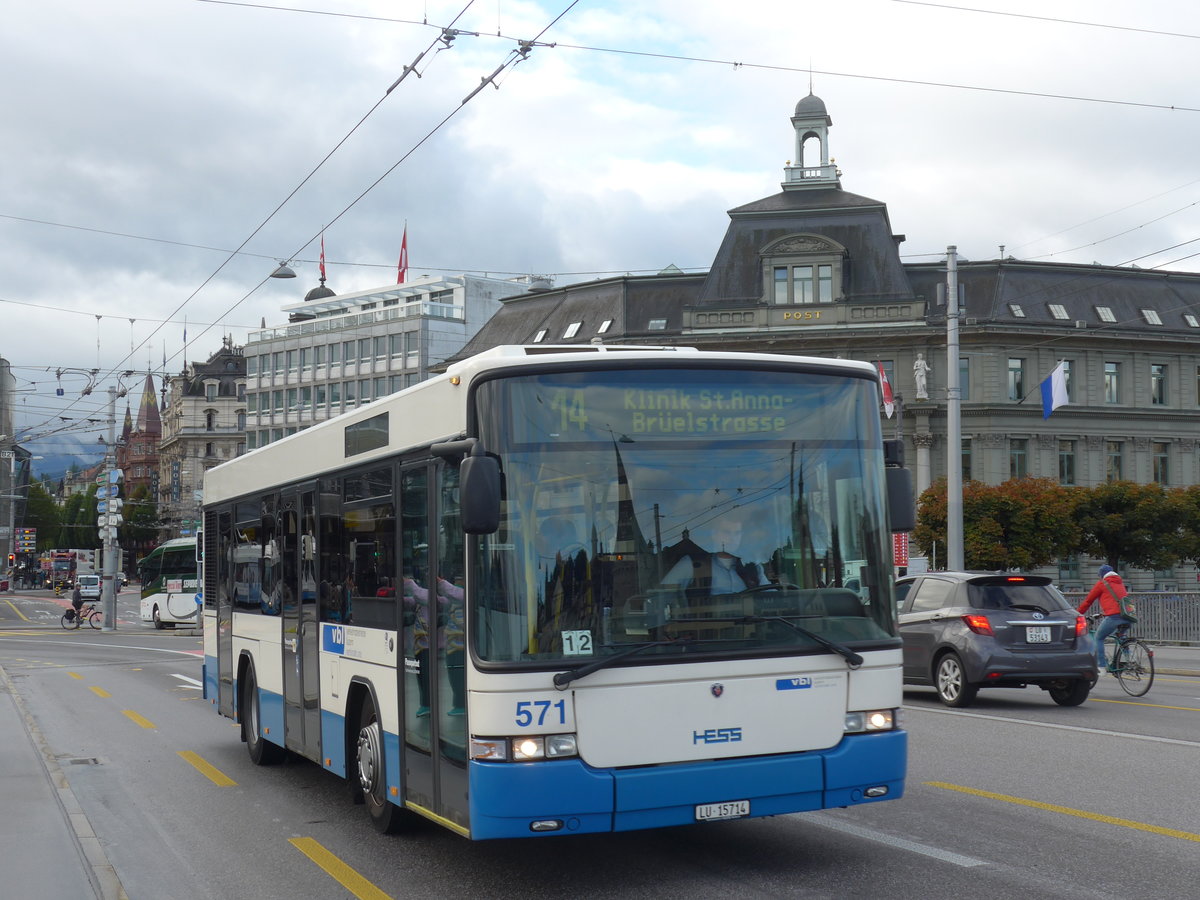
(1141, 525)
(1019, 524)
(42, 513)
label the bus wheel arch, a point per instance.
(262, 752)
(158, 622)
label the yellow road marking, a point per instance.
(215, 775)
(144, 722)
(338, 870)
(75, 675)
(1068, 811)
(1153, 705)
(99, 691)
(17, 611)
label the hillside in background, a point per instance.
(60, 452)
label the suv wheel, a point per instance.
(950, 679)
(1070, 693)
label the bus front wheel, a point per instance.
(370, 771)
(158, 622)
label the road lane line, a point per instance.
(1068, 811)
(141, 720)
(207, 769)
(17, 611)
(99, 691)
(1141, 703)
(1053, 725)
(825, 820)
(191, 682)
(338, 870)
(75, 675)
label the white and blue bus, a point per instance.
(170, 578)
(561, 590)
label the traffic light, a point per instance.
(12, 559)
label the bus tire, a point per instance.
(370, 770)
(262, 752)
(158, 622)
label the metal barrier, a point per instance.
(1168, 617)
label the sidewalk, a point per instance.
(1171, 659)
(47, 848)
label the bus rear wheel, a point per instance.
(371, 773)
(262, 752)
(158, 622)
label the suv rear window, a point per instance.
(1006, 594)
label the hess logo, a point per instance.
(717, 736)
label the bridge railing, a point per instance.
(1170, 617)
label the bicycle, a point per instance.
(70, 619)
(1131, 659)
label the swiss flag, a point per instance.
(889, 404)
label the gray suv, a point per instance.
(963, 631)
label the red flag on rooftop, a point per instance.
(322, 257)
(402, 269)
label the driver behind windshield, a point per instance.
(701, 573)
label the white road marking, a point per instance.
(191, 682)
(1121, 734)
(828, 821)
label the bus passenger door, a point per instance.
(301, 685)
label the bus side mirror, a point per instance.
(902, 512)
(479, 494)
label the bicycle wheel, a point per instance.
(65, 622)
(1135, 668)
(94, 618)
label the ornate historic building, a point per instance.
(817, 270)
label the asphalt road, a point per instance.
(1013, 797)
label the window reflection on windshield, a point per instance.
(635, 514)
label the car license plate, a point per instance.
(1038, 635)
(734, 809)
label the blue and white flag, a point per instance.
(1054, 390)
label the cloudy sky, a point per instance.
(145, 141)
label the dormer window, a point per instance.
(540, 336)
(1057, 310)
(802, 269)
(604, 326)
(572, 330)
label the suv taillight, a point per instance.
(978, 624)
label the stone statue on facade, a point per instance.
(921, 370)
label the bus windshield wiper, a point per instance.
(853, 660)
(562, 679)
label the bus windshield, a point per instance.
(710, 516)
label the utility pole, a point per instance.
(109, 508)
(954, 504)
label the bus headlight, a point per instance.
(870, 720)
(524, 749)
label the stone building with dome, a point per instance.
(817, 270)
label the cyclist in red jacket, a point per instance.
(1108, 589)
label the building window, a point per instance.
(1066, 462)
(210, 449)
(1018, 458)
(889, 370)
(251, 365)
(657, 325)
(803, 284)
(1112, 470)
(252, 403)
(381, 353)
(348, 354)
(364, 350)
(291, 362)
(277, 401)
(1016, 310)
(964, 378)
(1191, 320)
(241, 421)
(306, 399)
(1162, 454)
(572, 330)
(1016, 379)
(1112, 382)
(277, 362)
(210, 421)
(1066, 364)
(293, 399)
(604, 326)
(1057, 310)
(397, 346)
(210, 392)
(1068, 568)
(1105, 314)
(412, 349)
(966, 459)
(319, 355)
(1151, 316)
(802, 269)
(1158, 385)
(335, 353)
(540, 336)
(305, 359)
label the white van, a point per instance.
(89, 586)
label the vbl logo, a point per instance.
(717, 736)
(337, 637)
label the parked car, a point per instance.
(963, 631)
